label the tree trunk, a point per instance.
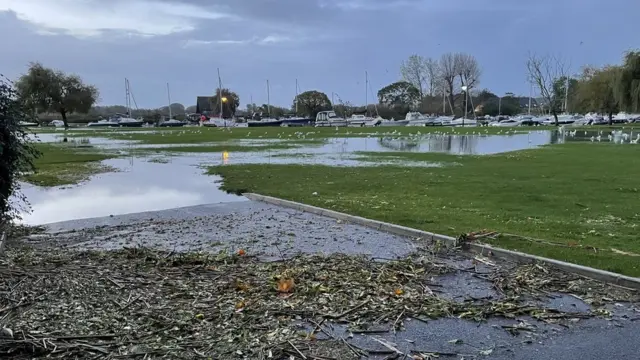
(610, 118)
(555, 117)
(63, 113)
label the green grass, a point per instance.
(195, 135)
(578, 195)
(65, 165)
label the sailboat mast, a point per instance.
(268, 100)
(127, 96)
(566, 97)
(296, 96)
(169, 98)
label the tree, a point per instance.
(627, 89)
(230, 103)
(16, 151)
(544, 73)
(597, 90)
(400, 93)
(421, 72)
(564, 97)
(467, 69)
(310, 103)
(448, 67)
(53, 91)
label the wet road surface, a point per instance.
(272, 232)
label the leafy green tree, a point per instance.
(310, 103)
(597, 91)
(53, 91)
(16, 151)
(627, 89)
(230, 103)
(400, 93)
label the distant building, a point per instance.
(204, 104)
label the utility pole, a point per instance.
(530, 95)
(366, 93)
(169, 97)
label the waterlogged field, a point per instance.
(561, 194)
(572, 202)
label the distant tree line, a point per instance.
(446, 86)
(605, 90)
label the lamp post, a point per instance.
(466, 97)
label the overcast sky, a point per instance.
(326, 44)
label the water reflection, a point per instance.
(139, 186)
(442, 143)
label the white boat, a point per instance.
(104, 123)
(463, 122)
(57, 123)
(623, 117)
(385, 122)
(329, 118)
(27, 124)
(126, 121)
(417, 119)
(357, 120)
(506, 123)
(563, 119)
(172, 123)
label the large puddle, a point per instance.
(138, 186)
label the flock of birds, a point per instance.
(617, 136)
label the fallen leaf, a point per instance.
(399, 292)
(241, 286)
(241, 252)
(285, 285)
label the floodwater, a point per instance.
(169, 180)
(138, 186)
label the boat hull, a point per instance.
(297, 122)
(264, 123)
(172, 124)
(131, 124)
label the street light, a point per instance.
(224, 99)
(466, 97)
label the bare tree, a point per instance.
(468, 72)
(544, 72)
(416, 70)
(448, 70)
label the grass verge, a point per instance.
(64, 165)
(582, 199)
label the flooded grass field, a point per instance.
(570, 190)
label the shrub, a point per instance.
(16, 151)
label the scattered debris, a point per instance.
(152, 304)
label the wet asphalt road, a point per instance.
(272, 232)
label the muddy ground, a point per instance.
(433, 302)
